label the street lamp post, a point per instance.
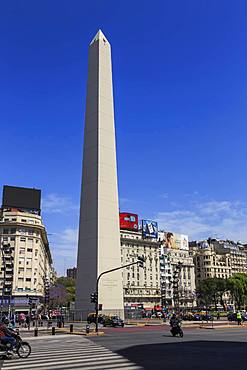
(139, 262)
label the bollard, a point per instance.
(36, 332)
(71, 328)
(53, 330)
(87, 329)
(41, 323)
(59, 324)
(33, 323)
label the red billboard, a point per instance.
(128, 221)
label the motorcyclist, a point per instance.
(6, 334)
(174, 321)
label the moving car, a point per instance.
(113, 321)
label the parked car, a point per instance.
(92, 318)
(188, 316)
(113, 321)
(233, 316)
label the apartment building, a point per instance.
(218, 258)
(141, 285)
(177, 266)
(22, 231)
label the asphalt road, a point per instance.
(153, 348)
(200, 349)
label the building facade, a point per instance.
(141, 286)
(177, 277)
(218, 258)
(32, 271)
(71, 273)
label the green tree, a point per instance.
(66, 281)
(207, 293)
(222, 287)
(238, 288)
(211, 291)
(69, 285)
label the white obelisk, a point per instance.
(99, 234)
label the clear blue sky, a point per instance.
(180, 88)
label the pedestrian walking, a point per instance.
(239, 318)
(218, 315)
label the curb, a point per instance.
(100, 333)
(223, 327)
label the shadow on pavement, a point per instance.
(194, 355)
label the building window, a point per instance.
(28, 279)
(13, 231)
(5, 231)
(22, 239)
(23, 220)
(13, 219)
(29, 249)
(12, 238)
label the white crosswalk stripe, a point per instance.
(68, 353)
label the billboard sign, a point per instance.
(128, 221)
(171, 240)
(16, 197)
(149, 229)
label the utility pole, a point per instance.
(95, 296)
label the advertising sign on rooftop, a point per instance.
(128, 221)
(149, 229)
(17, 197)
(171, 240)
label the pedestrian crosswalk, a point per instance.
(68, 352)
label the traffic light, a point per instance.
(141, 260)
(94, 297)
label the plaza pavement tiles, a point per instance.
(68, 352)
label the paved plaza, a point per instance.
(139, 348)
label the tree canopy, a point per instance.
(62, 292)
(238, 287)
(211, 291)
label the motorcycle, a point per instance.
(23, 349)
(176, 330)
